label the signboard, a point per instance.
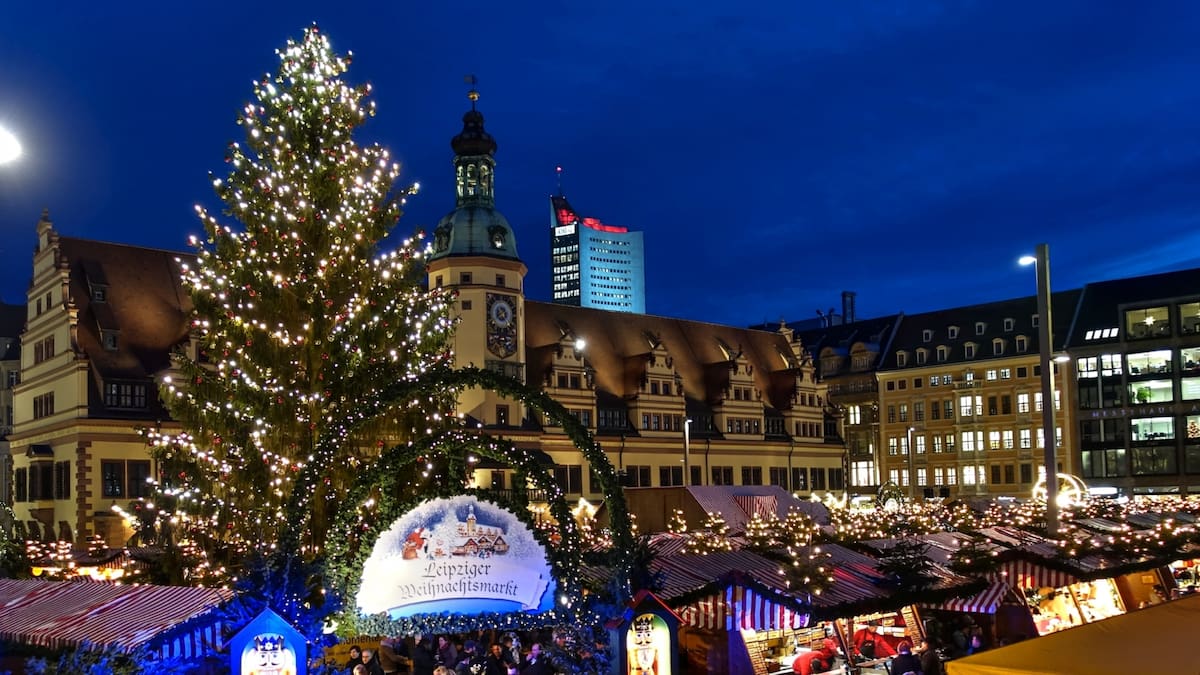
(459, 555)
(268, 645)
(564, 230)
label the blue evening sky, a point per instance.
(774, 153)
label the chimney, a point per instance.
(848, 306)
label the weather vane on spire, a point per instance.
(472, 94)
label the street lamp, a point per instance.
(912, 476)
(1041, 262)
(10, 147)
(687, 450)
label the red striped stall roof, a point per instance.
(984, 602)
(67, 614)
(1024, 574)
(738, 607)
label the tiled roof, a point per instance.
(875, 334)
(723, 499)
(911, 334)
(143, 300)
(617, 345)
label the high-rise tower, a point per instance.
(595, 265)
(475, 252)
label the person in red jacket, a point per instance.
(816, 661)
(870, 644)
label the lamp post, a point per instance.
(1041, 262)
(912, 475)
(687, 450)
(10, 147)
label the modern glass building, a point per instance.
(593, 264)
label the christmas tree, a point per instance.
(301, 316)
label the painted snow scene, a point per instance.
(458, 555)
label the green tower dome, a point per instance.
(474, 227)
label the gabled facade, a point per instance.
(101, 320)
(848, 356)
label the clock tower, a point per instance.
(475, 252)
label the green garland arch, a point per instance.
(382, 482)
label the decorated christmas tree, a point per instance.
(302, 314)
(712, 537)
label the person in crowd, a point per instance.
(371, 662)
(393, 656)
(931, 661)
(423, 659)
(905, 662)
(976, 645)
(359, 669)
(447, 655)
(870, 644)
(442, 670)
(512, 645)
(498, 662)
(819, 660)
(536, 663)
(355, 658)
(469, 662)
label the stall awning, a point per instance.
(1024, 574)
(737, 607)
(983, 602)
(71, 614)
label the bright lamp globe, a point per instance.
(10, 147)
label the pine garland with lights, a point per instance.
(762, 533)
(678, 522)
(712, 537)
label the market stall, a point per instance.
(172, 621)
(1146, 641)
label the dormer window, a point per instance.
(1009, 324)
(943, 353)
(952, 332)
(1034, 321)
(1022, 344)
(998, 347)
(922, 356)
(109, 339)
(901, 359)
(926, 335)
(980, 328)
(969, 350)
(99, 293)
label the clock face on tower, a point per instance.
(501, 324)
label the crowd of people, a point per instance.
(471, 656)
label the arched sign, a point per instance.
(459, 555)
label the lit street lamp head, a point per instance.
(1027, 260)
(10, 147)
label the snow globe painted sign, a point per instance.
(459, 555)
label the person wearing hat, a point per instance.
(870, 644)
(819, 660)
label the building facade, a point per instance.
(671, 402)
(12, 322)
(593, 264)
(101, 321)
(1135, 344)
(960, 400)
